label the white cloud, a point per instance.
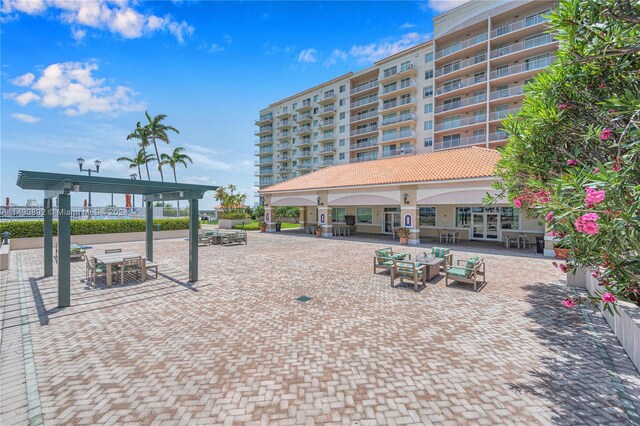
(335, 56)
(375, 51)
(407, 26)
(442, 5)
(227, 38)
(215, 48)
(72, 86)
(24, 80)
(25, 117)
(307, 56)
(115, 16)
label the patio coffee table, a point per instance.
(110, 259)
(432, 265)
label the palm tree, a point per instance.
(176, 157)
(157, 130)
(142, 133)
(137, 161)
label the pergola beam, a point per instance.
(193, 240)
(174, 196)
(48, 237)
(149, 230)
(64, 250)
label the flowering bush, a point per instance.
(573, 151)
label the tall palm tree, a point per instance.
(177, 157)
(140, 159)
(142, 134)
(158, 130)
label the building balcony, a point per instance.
(528, 68)
(466, 65)
(327, 99)
(325, 163)
(398, 89)
(373, 84)
(283, 136)
(401, 103)
(283, 158)
(506, 93)
(304, 142)
(303, 130)
(368, 101)
(283, 147)
(323, 138)
(457, 143)
(365, 116)
(262, 163)
(461, 85)
(538, 42)
(304, 166)
(501, 115)
(263, 151)
(330, 149)
(327, 111)
(284, 169)
(283, 114)
(304, 118)
(267, 172)
(264, 130)
(305, 153)
(371, 142)
(282, 124)
(463, 122)
(326, 124)
(535, 23)
(404, 119)
(364, 130)
(498, 137)
(304, 106)
(362, 158)
(463, 103)
(264, 140)
(398, 137)
(397, 152)
(396, 73)
(264, 119)
(263, 182)
(461, 46)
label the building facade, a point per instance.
(446, 93)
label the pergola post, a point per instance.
(149, 230)
(48, 237)
(194, 222)
(64, 250)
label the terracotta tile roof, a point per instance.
(463, 163)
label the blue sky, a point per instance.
(77, 76)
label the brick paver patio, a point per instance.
(237, 347)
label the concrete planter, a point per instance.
(38, 242)
(5, 255)
(229, 223)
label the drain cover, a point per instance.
(303, 299)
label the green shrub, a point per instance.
(34, 228)
(234, 215)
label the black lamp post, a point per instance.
(133, 176)
(97, 170)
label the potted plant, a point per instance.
(263, 225)
(403, 233)
(561, 250)
(318, 230)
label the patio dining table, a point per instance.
(341, 230)
(110, 259)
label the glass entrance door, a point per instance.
(485, 224)
(391, 222)
(491, 229)
(477, 226)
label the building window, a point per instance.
(341, 156)
(427, 216)
(509, 218)
(315, 98)
(428, 57)
(342, 142)
(427, 91)
(343, 115)
(463, 217)
(428, 74)
(342, 129)
(343, 88)
(428, 108)
(295, 105)
(343, 101)
(315, 160)
(428, 125)
(337, 214)
(364, 215)
(428, 142)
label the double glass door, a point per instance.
(485, 223)
(391, 222)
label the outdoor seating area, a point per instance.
(117, 267)
(448, 236)
(224, 237)
(519, 240)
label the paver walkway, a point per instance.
(237, 347)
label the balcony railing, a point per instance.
(458, 65)
(505, 93)
(395, 70)
(283, 146)
(283, 114)
(283, 135)
(263, 151)
(263, 182)
(284, 170)
(265, 118)
(364, 116)
(401, 151)
(499, 115)
(283, 158)
(518, 25)
(455, 143)
(363, 130)
(328, 122)
(303, 129)
(498, 136)
(324, 136)
(263, 172)
(264, 129)
(395, 86)
(304, 166)
(364, 101)
(461, 84)
(369, 143)
(523, 45)
(398, 135)
(303, 117)
(304, 105)
(461, 103)
(456, 47)
(326, 149)
(326, 163)
(399, 102)
(262, 163)
(304, 141)
(519, 68)
(304, 153)
(329, 108)
(363, 87)
(398, 119)
(460, 123)
(362, 158)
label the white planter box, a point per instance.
(229, 223)
(625, 326)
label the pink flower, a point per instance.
(563, 267)
(590, 217)
(552, 234)
(594, 274)
(590, 228)
(517, 202)
(569, 303)
(572, 162)
(549, 217)
(587, 223)
(594, 196)
(596, 170)
(602, 85)
(616, 168)
(608, 297)
(605, 134)
(562, 106)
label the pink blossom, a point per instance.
(563, 267)
(562, 106)
(616, 168)
(587, 223)
(552, 234)
(549, 217)
(572, 162)
(602, 85)
(594, 196)
(605, 134)
(590, 228)
(608, 297)
(590, 217)
(594, 274)
(596, 170)
(569, 303)
(517, 202)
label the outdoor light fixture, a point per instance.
(97, 163)
(133, 176)
(405, 197)
(319, 201)
(97, 170)
(181, 194)
(76, 187)
(160, 196)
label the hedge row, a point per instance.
(34, 228)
